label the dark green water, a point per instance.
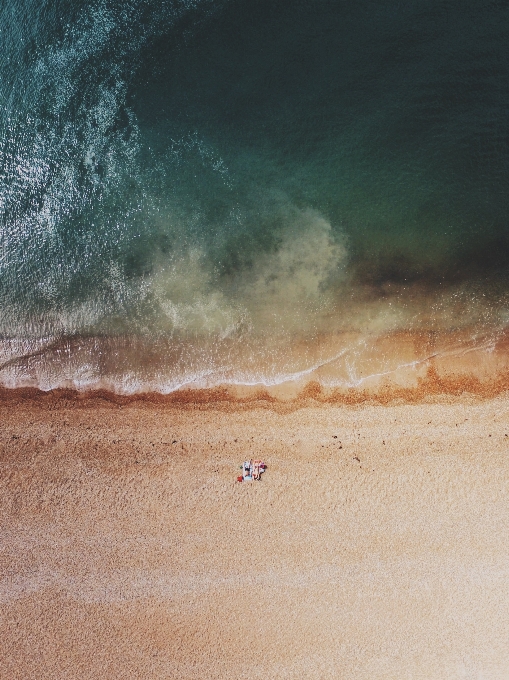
(194, 191)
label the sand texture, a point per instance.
(376, 545)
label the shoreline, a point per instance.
(338, 367)
(430, 388)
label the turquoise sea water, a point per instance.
(203, 190)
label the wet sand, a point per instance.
(413, 363)
(375, 546)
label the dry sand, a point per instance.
(376, 546)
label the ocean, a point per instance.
(208, 192)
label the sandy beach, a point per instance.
(375, 546)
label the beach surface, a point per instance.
(375, 546)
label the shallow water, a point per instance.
(197, 192)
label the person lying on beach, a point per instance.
(258, 467)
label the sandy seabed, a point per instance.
(376, 545)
